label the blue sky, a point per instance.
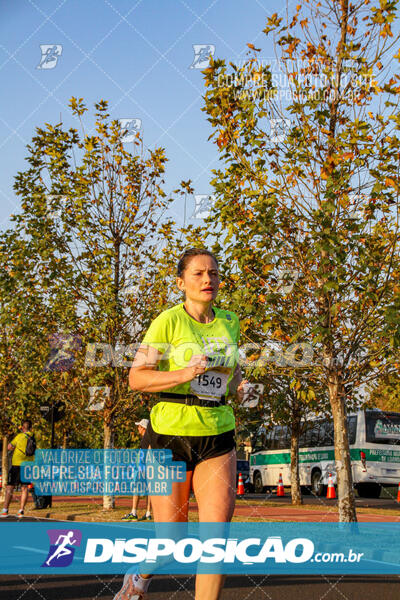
(134, 53)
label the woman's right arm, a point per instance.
(144, 376)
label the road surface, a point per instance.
(241, 587)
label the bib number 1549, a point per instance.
(206, 380)
(212, 383)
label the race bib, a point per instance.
(210, 385)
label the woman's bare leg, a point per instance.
(167, 509)
(214, 485)
(175, 507)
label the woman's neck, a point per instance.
(199, 312)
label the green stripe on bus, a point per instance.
(278, 458)
(376, 455)
(313, 456)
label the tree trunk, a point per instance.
(109, 406)
(347, 506)
(4, 468)
(294, 462)
(108, 501)
(65, 439)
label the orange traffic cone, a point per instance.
(330, 494)
(398, 493)
(240, 487)
(280, 489)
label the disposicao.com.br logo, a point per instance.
(210, 551)
(188, 548)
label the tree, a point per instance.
(290, 391)
(24, 321)
(386, 393)
(90, 213)
(317, 201)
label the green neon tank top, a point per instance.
(175, 333)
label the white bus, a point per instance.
(374, 439)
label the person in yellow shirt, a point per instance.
(18, 445)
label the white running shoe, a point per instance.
(134, 587)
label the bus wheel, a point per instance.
(258, 483)
(317, 487)
(369, 490)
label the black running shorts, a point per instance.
(14, 476)
(191, 449)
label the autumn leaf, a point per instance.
(252, 47)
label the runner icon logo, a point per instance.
(202, 54)
(61, 551)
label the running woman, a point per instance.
(192, 417)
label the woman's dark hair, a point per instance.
(188, 254)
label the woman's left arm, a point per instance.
(236, 384)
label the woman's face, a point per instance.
(200, 280)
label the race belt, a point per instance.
(191, 399)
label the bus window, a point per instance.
(351, 428)
(314, 434)
(265, 439)
(275, 435)
(284, 439)
(321, 433)
(256, 443)
(309, 437)
(268, 439)
(326, 434)
(305, 436)
(279, 437)
(382, 427)
(259, 440)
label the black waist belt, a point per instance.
(190, 399)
